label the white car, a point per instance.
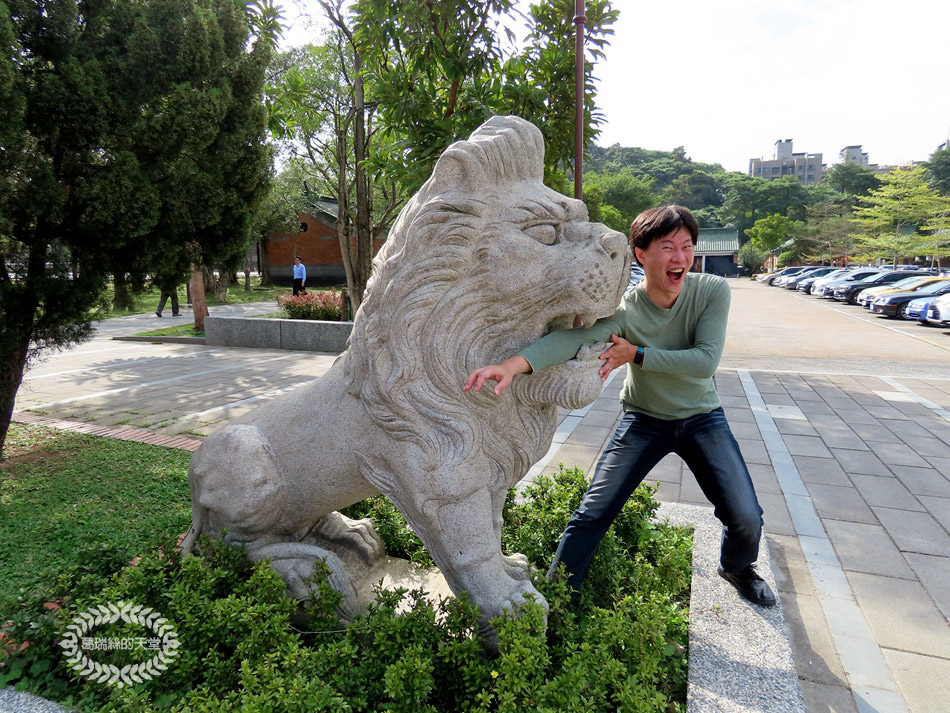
(939, 311)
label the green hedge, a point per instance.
(622, 647)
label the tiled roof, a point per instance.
(322, 205)
(717, 241)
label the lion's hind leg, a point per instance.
(357, 537)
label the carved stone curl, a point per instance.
(483, 261)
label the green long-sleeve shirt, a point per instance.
(682, 347)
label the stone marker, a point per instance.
(481, 262)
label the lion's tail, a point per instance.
(199, 515)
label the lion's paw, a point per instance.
(358, 537)
(517, 566)
(592, 352)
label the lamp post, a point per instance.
(579, 19)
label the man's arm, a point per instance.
(562, 345)
(502, 373)
(554, 348)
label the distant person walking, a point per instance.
(169, 289)
(300, 277)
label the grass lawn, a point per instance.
(181, 330)
(60, 491)
(147, 301)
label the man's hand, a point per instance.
(502, 373)
(622, 352)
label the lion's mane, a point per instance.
(428, 282)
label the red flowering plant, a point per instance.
(313, 305)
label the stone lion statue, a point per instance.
(481, 262)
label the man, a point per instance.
(669, 330)
(300, 277)
(169, 290)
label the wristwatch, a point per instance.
(638, 357)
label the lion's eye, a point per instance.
(543, 232)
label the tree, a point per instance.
(938, 171)
(749, 198)
(539, 82)
(828, 234)
(101, 174)
(278, 210)
(695, 190)
(629, 195)
(330, 129)
(751, 258)
(437, 71)
(851, 178)
(770, 233)
(889, 217)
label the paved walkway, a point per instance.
(853, 473)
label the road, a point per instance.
(780, 330)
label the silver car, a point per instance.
(939, 311)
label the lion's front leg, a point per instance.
(469, 555)
(515, 564)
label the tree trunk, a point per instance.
(121, 298)
(343, 213)
(12, 363)
(247, 274)
(364, 238)
(199, 306)
(264, 266)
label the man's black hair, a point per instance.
(660, 222)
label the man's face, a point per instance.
(296, 261)
(665, 264)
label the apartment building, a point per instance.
(806, 167)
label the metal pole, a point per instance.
(580, 18)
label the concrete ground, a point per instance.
(843, 419)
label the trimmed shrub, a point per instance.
(323, 305)
(621, 647)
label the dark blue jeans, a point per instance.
(708, 447)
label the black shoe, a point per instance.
(176, 314)
(750, 585)
(158, 314)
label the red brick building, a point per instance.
(317, 245)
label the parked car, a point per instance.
(800, 270)
(796, 280)
(807, 283)
(894, 305)
(783, 281)
(828, 289)
(848, 292)
(917, 308)
(770, 277)
(939, 311)
(867, 297)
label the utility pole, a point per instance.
(580, 18)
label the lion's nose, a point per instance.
(614, 244)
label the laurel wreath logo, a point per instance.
(109, 673)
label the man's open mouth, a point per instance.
(676, 275)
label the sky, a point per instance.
(727, 79)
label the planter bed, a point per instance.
(298, 334)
